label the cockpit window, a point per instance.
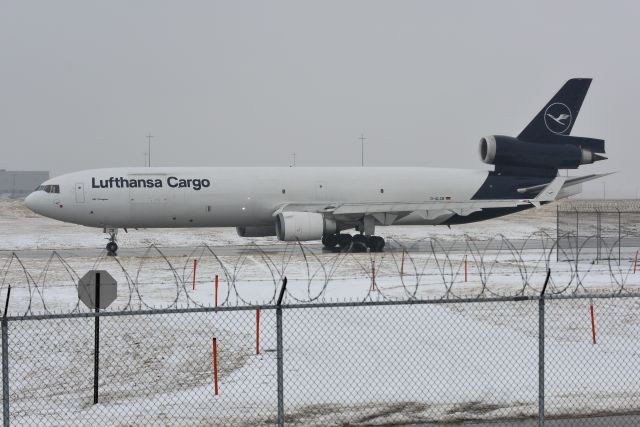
(53, 188)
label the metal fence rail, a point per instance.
(360, 363)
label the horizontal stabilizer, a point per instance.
(568, 182)
(550, 192)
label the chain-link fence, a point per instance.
(598, 232)
(521, 361)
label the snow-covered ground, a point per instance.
(343, 365)
(358, 365)
(152, 279)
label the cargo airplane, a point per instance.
(305, 203)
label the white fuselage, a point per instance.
(239, 196)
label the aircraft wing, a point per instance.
(386, 212)
(461, 208)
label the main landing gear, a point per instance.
(112, 246)
(357, 243)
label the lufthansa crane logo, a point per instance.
(557, 118)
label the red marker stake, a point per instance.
(215, 366)
(402, 264)
(258, 331)
(465, 268)
(216, 290)
(593, 324)
(373, 275)
(195, 266)
(635, 263)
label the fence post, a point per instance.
(5, 362)
(598, 237)
(541, 352)
(557, 233)
(593, 322)
(279, 355)
(214, 349)
(216, 286)
(258, 331)
(577, 239)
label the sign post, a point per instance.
(96, 345)
(97, 290)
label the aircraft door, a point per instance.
(79, 192)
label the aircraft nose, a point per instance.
(30, 201)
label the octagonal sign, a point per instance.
(107, 287)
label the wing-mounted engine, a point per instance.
(292, 226)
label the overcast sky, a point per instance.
(249, 83)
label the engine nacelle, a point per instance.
(267, 230)
(507, 151)
(292, 226)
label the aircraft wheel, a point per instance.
(344, 240)
(112, 248)
(329, 241)
(376, 243)
(359, 243)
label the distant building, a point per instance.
(20, 183)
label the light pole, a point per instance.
(149, 136)
(604, 190)
(362, 138)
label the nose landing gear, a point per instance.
(112, 246)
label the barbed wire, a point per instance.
(426, 268)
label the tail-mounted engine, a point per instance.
(564, 152)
